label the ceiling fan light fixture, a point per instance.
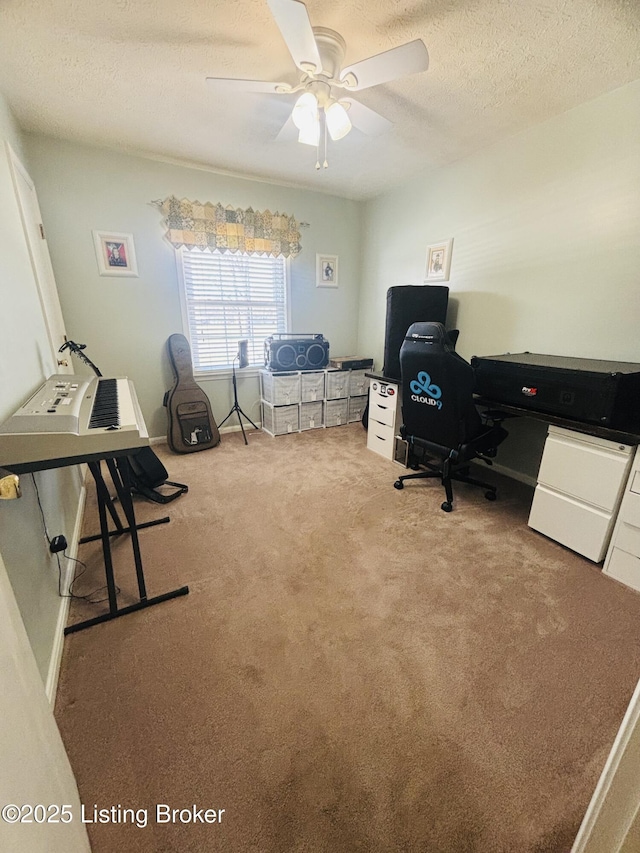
(338, 122)
(305, 111)
(310, 135)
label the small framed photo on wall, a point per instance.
(326, 270)
(439, 261)
(115, 253)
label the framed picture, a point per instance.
(115, 253)
(439, 261)
(326, 270)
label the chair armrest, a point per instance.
(486, 442)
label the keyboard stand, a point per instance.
(119, 470)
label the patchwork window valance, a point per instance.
(228, 229)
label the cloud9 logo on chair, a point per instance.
(423, 385)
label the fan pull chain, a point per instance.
(325, 165)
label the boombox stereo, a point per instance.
(296, 352)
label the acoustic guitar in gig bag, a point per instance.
(191, 424)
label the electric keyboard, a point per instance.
(73, 418)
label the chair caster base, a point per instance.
(446, 506)
(398, 484)
(490, 496)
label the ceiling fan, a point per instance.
(323, 104)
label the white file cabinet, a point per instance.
(384, 417)
(623, 556)
(580, 485)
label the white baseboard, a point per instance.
(51, 685)
(511, 472)
(236, 428)
(162, 439)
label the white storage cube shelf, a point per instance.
(358, 383)
(312, 386)
(311, 415)
(336, 412)
(357, 405)
(280, 389)
(279, 420)
(300, 400)
(337, 384)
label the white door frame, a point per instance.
(614, 810)
(31, 218)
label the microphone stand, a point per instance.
(236, 406)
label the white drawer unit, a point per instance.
(383, 402)
(585, 467)
(384, 420)
(582, 528)
(580, 485)
(623, 556)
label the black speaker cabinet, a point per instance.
(407, 304)
(582, 389)
(296, 352)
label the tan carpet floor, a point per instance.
(353, 669)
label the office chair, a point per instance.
(440, 417)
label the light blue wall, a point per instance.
(546, 252)
(126, 322)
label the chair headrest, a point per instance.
(429, 333)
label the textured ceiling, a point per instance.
(131, 74)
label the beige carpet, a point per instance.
(353, 669)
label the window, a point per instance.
(228, 297)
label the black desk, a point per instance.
(557, 420)
(119, 468)
(521, 412)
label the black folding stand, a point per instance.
(119, 469)
(236, 406)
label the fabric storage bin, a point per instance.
(280, 389)
(337, 384)
(311, 415)
(357, 406)
(358, 383)
(279, 420)
(312, 386)
(335, 412)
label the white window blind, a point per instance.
(229, 297)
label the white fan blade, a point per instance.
(292, 19)
(366, 119)
(237, 85)
(409, 58)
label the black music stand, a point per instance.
(241, 355)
